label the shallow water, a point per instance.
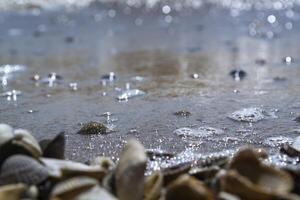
(181, 60)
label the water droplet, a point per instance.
(111, 13)
(138, 22)
(168, 19)
(195, 76)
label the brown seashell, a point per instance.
(153, 186)
(130, 171)
(66, 169)
(255, 179)
(22, 169)
(96, 193)
(187, 187)
(12, 192)
(54, 148)
(93, 128)
(70, 188)
(171, 173)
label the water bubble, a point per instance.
(11, 95)
(272, 19)
(288, 60)
(238, 74)
(288, 25)
(127, 94)
(166, 9)
(112, 13)
(168, 19)
(109, 77)
(7, 69)
(248, 115)
(195, 76)
(138, 22)
(200, 132)
(73, 86)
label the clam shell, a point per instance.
(12, 192)
(54, 148)
(6, 133)
(70, 188)
(153, 186)
(255, 179)
(130, 171)
(22, 169)
(96, 193)
(66, 169)
(187, 187)
(24, 139)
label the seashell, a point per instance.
(227, 196)
(54, 148)
(93, 128)
(70, 188)
(104, 162)
(22, 169)
(187, 187)
(205, 174)
(6, 133)
(292, 150)
(96, 193)
(12, 192)
(24, 139)
(153, 186)
(255, 179)
(171, 173)
(130, 171)
(65, 169)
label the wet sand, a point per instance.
(83, 45)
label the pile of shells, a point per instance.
(37, 170)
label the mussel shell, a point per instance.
(66, 169)
(24, 139)
(70, 188)
(12, 192)
(153, 186)
(171, 173)
(96, 193)
(206, 174)
(255, 179)
(54, 148)
(130, 171)
(22, 169)
(187, 187)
